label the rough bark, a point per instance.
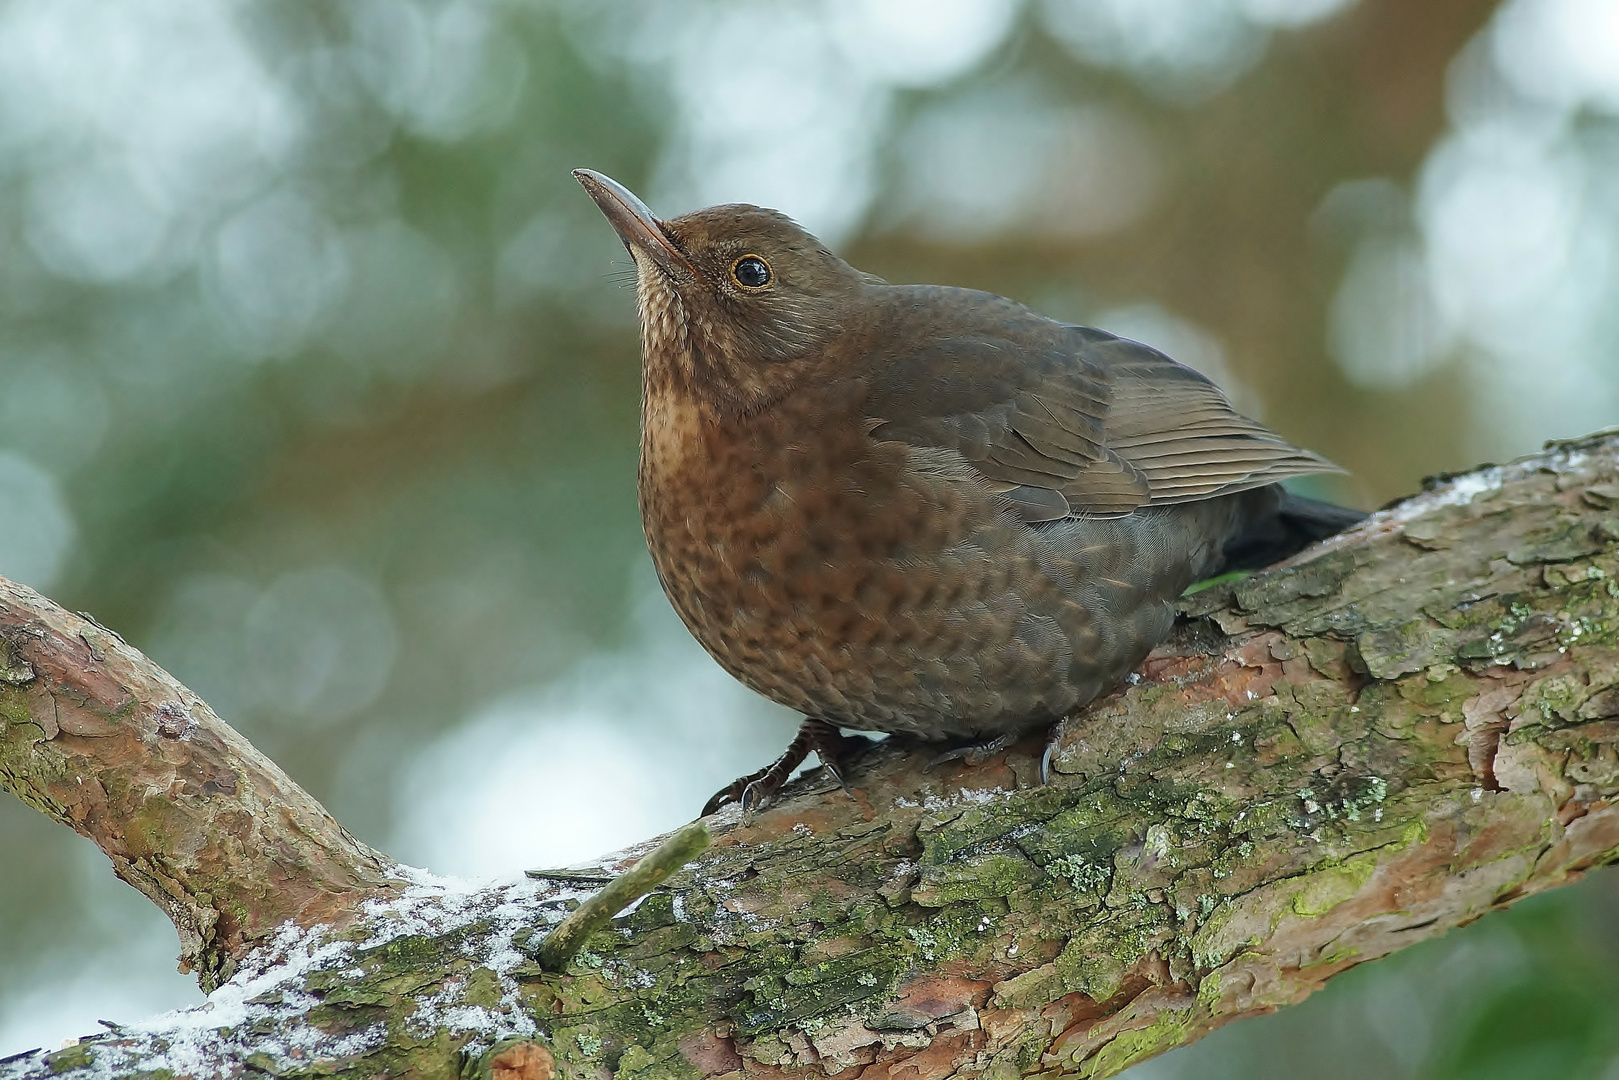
(1395, 734)
(97, 737)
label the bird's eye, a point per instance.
(751, 272)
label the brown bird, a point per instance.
(918, 509)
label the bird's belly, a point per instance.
(886, 599)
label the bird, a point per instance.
(922, 510)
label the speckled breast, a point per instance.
(882, 587)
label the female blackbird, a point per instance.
(918, 509)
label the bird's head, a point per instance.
(736, 301)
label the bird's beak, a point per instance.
(641, 232)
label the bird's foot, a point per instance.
(977, 753)
(1053, 739)
(758, 790)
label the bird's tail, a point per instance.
(1288, 524)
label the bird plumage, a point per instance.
(921, 509)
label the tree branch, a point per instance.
(97, 737)
(1402, 730)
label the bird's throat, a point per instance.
(673, 426)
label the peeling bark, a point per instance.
(97, 737)
(1398, 732)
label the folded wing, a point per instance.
(1069, 421)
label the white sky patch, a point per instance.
(275, 268)
(446, 70)
(919, 42)
(155, 114)
(118, 965)
(1384, 326)
(783, 105)
(1011, 161)
(1178, 49)
(770, 112)
(1565, 52)
(1508, 259)
(1292, 13)
(125, 982)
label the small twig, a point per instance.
(570, 935)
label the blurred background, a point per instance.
(314, 382)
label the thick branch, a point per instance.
(1398, 733)
(97, 737)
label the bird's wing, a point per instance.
(1078, 422)
(1177, 427)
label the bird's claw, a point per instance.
(758, 790)
(1053, 740)
(735, 791)
(755, 797)
(973, 754)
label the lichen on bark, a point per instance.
(1399, 732)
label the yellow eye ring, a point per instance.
(751, 272)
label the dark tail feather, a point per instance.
(1290, 525)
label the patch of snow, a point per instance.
(1458, 492)
(262, 1009)
(966, 797)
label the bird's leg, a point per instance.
(977, 753)
(758, 789)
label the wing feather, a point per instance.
(1068, 421)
